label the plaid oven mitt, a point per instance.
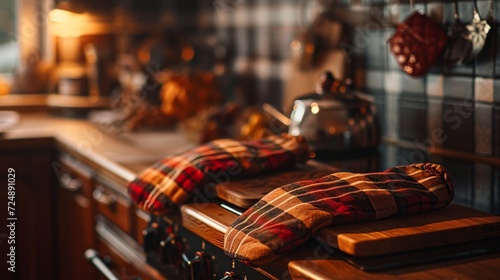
(175, 179)
(288, 216)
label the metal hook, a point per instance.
(455, 9)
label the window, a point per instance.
(9, 51)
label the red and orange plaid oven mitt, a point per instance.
(175, 179)
(289, 215)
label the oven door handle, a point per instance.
(93, 257)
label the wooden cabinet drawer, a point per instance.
(123, 255)
(73, 177)
(114, 205)
(75, 219)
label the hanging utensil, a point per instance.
(459, 46)
(322, 34)
(478, 30)
(417, 43)
(303, 46)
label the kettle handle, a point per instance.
(268, 108)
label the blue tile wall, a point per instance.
(496, 131)
(458, 123)
(462, 174)
(482, 191)
(495, 197)
(458, 87)
(497, 50)
(413, 117)
(409, 108)
(496, 91)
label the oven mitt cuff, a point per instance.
(175, 179)
(288, 216)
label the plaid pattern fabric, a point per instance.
(288, 216)
(173, 180)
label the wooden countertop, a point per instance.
(120, 156)
(478, 267)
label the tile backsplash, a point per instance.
(462, 102)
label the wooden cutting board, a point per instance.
(450, 225)
(246, 192)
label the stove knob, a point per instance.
(172, 250)
(200, 267)
(229, 275)
(152, 237)
(149, 237)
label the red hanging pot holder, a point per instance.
(417, 43)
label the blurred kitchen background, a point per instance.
(83, 55)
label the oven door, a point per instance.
(118, 256)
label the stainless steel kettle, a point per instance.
(334, 119)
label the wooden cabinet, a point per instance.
(56, 203)
(33, 236)
(74, 220)
(95, 218)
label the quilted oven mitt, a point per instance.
(175, 179)
(417, 43)
(288, 216)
